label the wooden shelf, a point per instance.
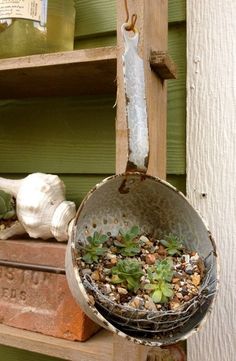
(98, 348)
(79, 72)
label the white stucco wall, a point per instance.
(211, 158)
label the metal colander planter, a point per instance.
(156, 207)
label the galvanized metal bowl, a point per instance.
(122, 201)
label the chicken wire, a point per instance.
(146, 323)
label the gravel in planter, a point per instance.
(146, 284)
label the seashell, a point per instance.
(41, 208)
(62, 217)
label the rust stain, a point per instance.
(123, 189)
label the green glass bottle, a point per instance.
(36, 26)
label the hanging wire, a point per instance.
(130, 26)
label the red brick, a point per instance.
(40, 301)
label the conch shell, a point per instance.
(41, 208)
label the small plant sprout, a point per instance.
(94, 248)
(160, 276)
(160, 291)
(128, 272)
(7, 209)
(173, 244)
(128, 245)
(161, 271)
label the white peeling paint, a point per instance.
(211, 158)
(136, 107)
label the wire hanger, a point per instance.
(130, 25)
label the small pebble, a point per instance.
(195, 258)
(176, 287)
(113, 249)
(114, 261)
(162, 250)
(107, 289)
(137, 302)
(187, 298)
(184, 291)
(175, 280)
(2, 227)
(110, 256)
(107, 271)
(86, 271)
(179, 295)
(186, 258)
(122, 291)
(174, 305)
(189, 270)
(95, 276)
(150, 259)
(150, 305)
(196, 279)
(145, 240)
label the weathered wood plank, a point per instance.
(155, 12)
(61, 74)
(211, 150)
(98, 348)
(162, 64)
(13, 354)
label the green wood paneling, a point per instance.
(176, 137)
(177, 10)
(97, 17)
(13, 354)
(66, 135)
(105, 40)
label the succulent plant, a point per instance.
(94, 248)
(161, 291)
(128, 245)
(173, 244)
(161, 271)
(7, 209)
(160, 276)
(128, 272)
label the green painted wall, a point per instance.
(75, 137)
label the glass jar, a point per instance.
(36, 26)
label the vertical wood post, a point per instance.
(152, 23)
(211, 159)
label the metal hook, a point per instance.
(131, 26)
